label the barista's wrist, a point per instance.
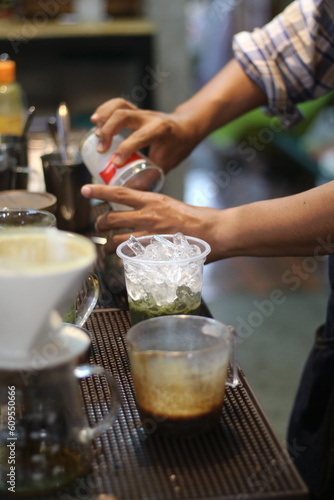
(195, 120)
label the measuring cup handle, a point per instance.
(89, 300)
(90, 432)
(233, 380)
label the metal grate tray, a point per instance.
(241, 459)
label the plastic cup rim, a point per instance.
(203, 254)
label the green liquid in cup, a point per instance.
(187, 302)
(70, 314)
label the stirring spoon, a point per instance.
(30, 115)
(63, 126)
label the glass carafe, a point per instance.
(45, 438)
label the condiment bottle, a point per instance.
(12, 102)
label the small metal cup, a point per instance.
(14, 170)
(65, 182)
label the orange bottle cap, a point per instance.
(7, 71)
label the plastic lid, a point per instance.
(7, 71)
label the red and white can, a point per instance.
(138, 172)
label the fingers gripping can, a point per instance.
(138, 172)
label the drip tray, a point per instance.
(240, 459)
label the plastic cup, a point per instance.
(160, 287)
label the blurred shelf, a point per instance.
(83, 64)
(40, 28)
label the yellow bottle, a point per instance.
(12, 108)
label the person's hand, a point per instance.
(153, 213)
(170, 137)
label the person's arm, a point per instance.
(228, 95)
(287, 61)
(172, 136)
(301, 224)
(290, 58)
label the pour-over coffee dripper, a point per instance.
(43, 423)
(40, 272)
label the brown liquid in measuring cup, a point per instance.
(178, 392)
(179, 426)
(169, 405)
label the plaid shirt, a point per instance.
(292, 57)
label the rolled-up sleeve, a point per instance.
(292, 57)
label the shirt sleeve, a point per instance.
(292, 57)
